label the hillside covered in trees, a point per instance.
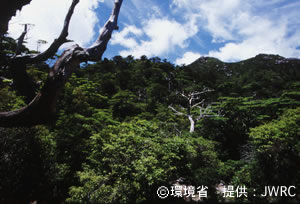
(123, 129)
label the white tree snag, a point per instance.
(204, 110)
(42, 108)
(192, 123)
(176, 112)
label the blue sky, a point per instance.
(177, 30)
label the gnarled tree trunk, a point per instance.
(42, 108)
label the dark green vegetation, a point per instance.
(116, 141)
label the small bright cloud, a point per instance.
(187, 58)
(163, 36)
(123, 38)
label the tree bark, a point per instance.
(42, 108)
(22, 82)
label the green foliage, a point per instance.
(278, 147)
(130, 161)
(116, 141)
(275, 159)
(123, 104)
(9, 100)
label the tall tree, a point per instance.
(42, 107)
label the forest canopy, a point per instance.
(121, 130)
(115, 139)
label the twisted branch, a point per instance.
(42, 108)
(56, 43)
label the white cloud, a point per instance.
(219, 15)
(255, 45)
(214, 15)
(163, 36)
(247, 27)
(243, 28)
(137, 11)
(187, 58)
(123, 38)
(260, 35)
(48, 18)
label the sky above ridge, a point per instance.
(177, 30)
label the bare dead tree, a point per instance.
(195, 100)
(42, 107)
